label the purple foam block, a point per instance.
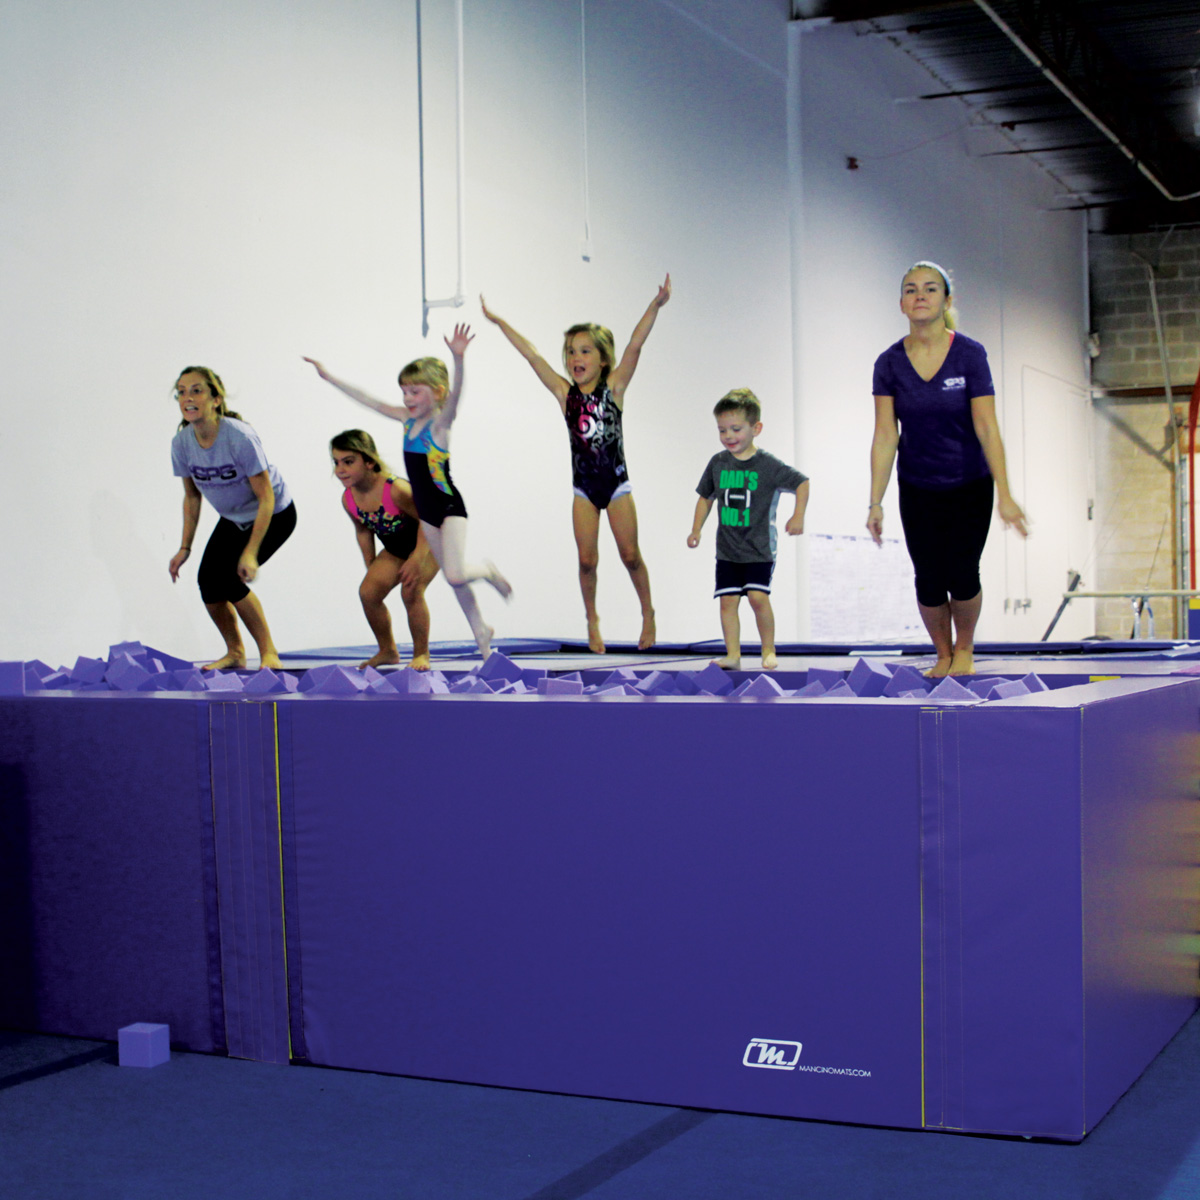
(619, 676)
(38, 668)
(982, 686)
(630, 690)
(499, 667)
(133, 649)
(263, 683)
(143, 1045)
(12, 679)
(1005, 691)
(825, 676)
(658, 683)
(438, 683)
(560, 687)
(914, 694)
(340, 681)
(1034, 683)
(33, 681)
(712, 680)
(571, 677)
(191, 680)
(951, 689)
(411, 683)
(382, 686)
(841, 688)
(157, 683)
(125, 675)
(469, 685)
(531, 675)
(761, 687)
(816, 688)
(869, 677)
(169, 661)
(60, 679)
(371, 675)
(617, 689)
(221, 681)
(88, 670)
(906, 679)
(685, 685)
(313, 680)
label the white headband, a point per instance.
(933, 267)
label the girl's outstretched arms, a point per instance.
(458, 343)
(623, 372)
(396, 411)
(555, 382)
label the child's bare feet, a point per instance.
(649, 631)
(940, 669)
(595, 641)
(235, 660)
(770, 660)
(728, 663)
(270, 662)
(963, 663)
(420, 662)
(498, 581)
(384, 658)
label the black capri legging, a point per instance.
(218, 577)
(945, 532)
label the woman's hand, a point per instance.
(1012, 516)
(462, 338)
(181, 556)
(247, 567)
(664, 292)
(875, 523)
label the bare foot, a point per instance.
(498, 581)
(939, 670)
(233, 661)
(963, 663)
(595, 641)
(728, 663)
(649, 631)
(770, 660)
(485, 642)
(384, 658)
(270, 662)
(420, 662)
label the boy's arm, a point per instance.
(620, 376)
(703, 508)
(555, 382)
(795, 522)
(396, 411)
(458, 344)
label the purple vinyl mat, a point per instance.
(969, 915)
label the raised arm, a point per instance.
(553, 381)
(458, 344)
(620, 376)
(883, 456)
(987, 430)
(396, 411)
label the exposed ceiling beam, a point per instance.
(866, 10)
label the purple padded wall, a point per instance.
(615, 898)
(105, 867)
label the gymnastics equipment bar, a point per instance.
(1140, 598)
(457, 300)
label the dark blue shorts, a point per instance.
(736, 579)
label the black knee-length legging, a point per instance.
(945, 532)
(218, 577)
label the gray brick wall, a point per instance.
(1135, 544)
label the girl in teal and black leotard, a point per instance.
(428, 411)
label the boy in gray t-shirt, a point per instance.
(746, 482)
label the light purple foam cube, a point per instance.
(712, 680)
(531, 675)
(143, 1045)
(60, 679)
(125, 675)
(169, 661)
(38, 668)
(1034, 683)
(312, 679)
(469, 685)
(619, 676)
(869, 677)
(560, 687)
(825, 676)
(658, 683)
(263, 683)
(951, 689)
(222, 681)
(1005, 691)
(982, 686)
(816, 688)
(412, 683)
(12, 679)
(761, 687)
(371, 675)
(616, 689)
(685, 685)
(499, 667)
(906, 679)
(133, 649)
(841, 688)
(191, 680)
(88, 670)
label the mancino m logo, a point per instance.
(772, 1053)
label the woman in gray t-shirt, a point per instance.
(219, 456)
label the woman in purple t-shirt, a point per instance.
(936, 405)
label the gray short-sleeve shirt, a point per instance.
(747, 494)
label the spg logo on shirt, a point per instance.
(208, 474)
(952, 383)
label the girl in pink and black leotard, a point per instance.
(592, 401)
(381, 506)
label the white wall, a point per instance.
(237, 185)
(922, 190)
